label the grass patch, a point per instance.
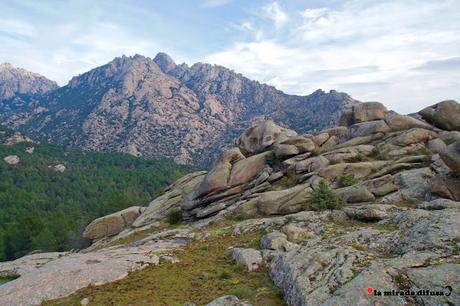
(386, 227)
(174, 217)
(347, 180)
(198, 277)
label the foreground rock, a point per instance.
(59, 275)
(451, 156)
(228, 300)
(12, 159)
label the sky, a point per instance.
(403, 53)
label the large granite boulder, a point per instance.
(369, 128)
(445, 115)
(251, 259)
(159, 208)
(446, 186)
(451, 156)
(112, 224)
(402, 122)
(363, 112)
(258, 138)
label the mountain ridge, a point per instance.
(156, 108)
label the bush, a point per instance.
(324, 198)
(174, 217)
(347, 180)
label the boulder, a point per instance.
(438, 204)
(296, 233)
(308, 165)
(371, 213)
(249, 258)
(355, 194)
(218, 177)
(403, 122)
(415, 183)
(413, 136)
(12, 159)
(112, 224)
(446, 186)
(451, 156)
(159, 208)
(445, 115)
(284, 202)
(258, 138)
(228, 300)
(283, 151)
(340, 132)
(303, 144)
(381, 186)
(247, 169)
(276, 241)
(369, 128)
(436, 145)
(449, 136)
(363, 112)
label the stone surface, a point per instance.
(436, 145)
(276, 241)
(402, 122)
(355, 194)
(369, 128)
(228, 300)
(284, 201)
(363, 112)
(414, 184)
(249, 258)
(112, 224)
(445, 115)
(446, 186)
(413, 136)
(451, 156)
(438, 204)
(258, 138)
(12, 159)
(371, 213)
(59, 277)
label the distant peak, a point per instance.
(165, 62)
(6, 66)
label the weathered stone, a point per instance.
(438, 204)
(12, 159)
(413, 136)
(360, 140)
(449, 136)
(436, 145)
(363, 112)
(380, 186)
(258, 138)
(247, 169)
(415, 183)
(285, 150)
(355, 194)
(445, 115)
(369, 128)
(403, 122)
(446, 186)
(308, 165)
(340, 132)
(284, 202)
(321, 138)
(296, 233)
(451, 156)
(159, 208)
(276, 241)
(228, 300)
(112, 224)
(349, 154)
(374, 212)
(358, 170)
(249, 258)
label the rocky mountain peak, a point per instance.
(165, 62)
(18, 81)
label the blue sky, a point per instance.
(404, 53)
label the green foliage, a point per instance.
(449, 141)
(243, 292)
(347, 180)
(174, 217)
(324, 198)
(48, 210)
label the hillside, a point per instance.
(366, 213)
(49, 194)
(155, 108)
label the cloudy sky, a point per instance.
(403, 53)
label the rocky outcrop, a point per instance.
(445, 115)
(112, 224)
(362, 113)
(451, 156)
(250, 259)
(17, 81)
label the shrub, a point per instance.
(174, 217)
(347, 180)
(324, 198)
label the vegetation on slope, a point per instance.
(205, 271)
(43, 209)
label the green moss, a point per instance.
(386, 227)
(449, 141)
(198, 277)
(358, 246)
(174, 216)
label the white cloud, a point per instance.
(274, 12)
(366, 48)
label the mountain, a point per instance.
(18, 81)
(155, 108)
